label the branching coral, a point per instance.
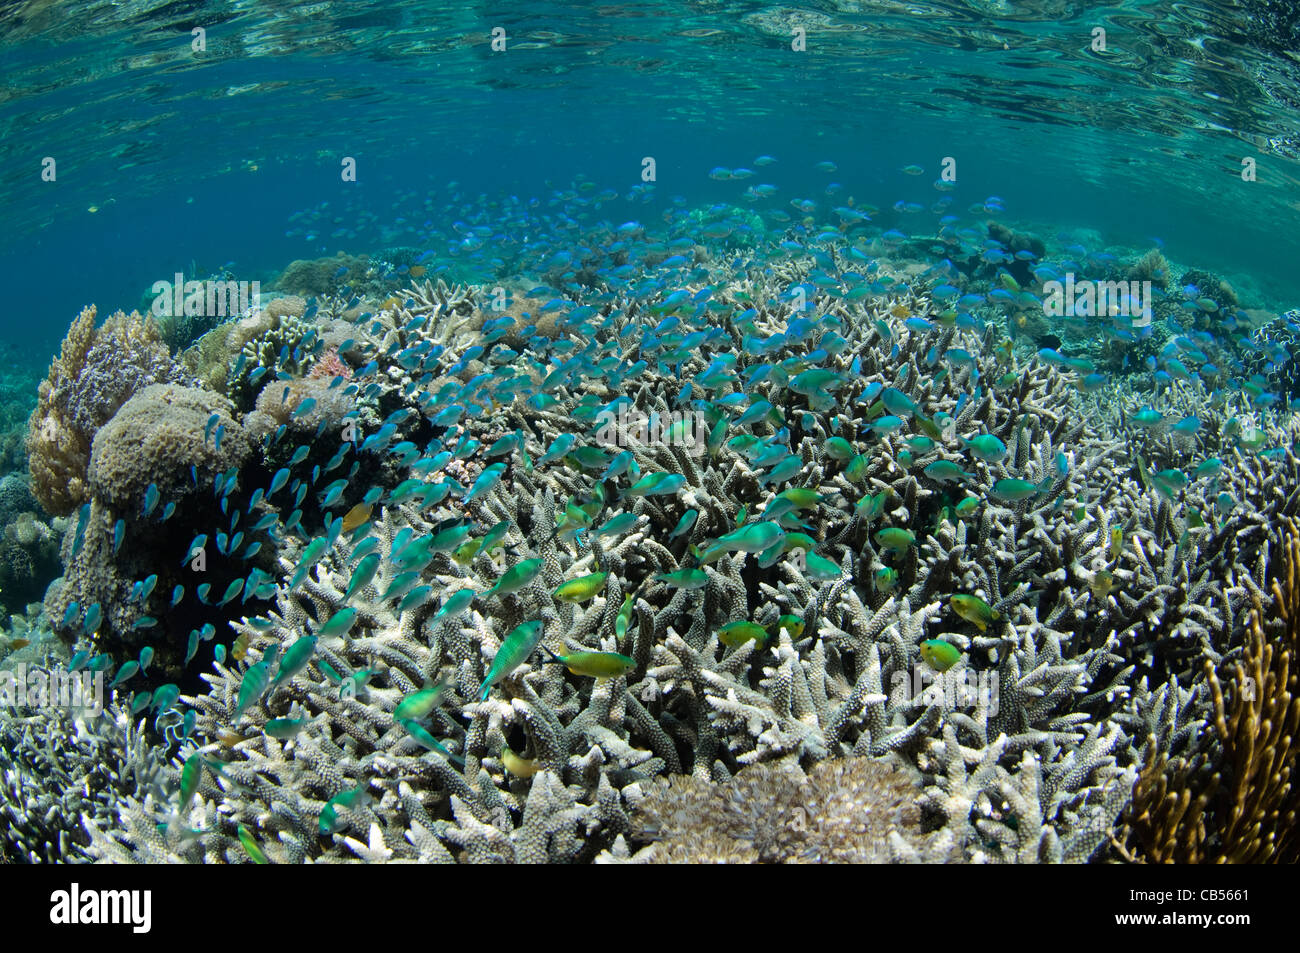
(1235, 799)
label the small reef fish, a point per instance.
(975, 610)
(940, 655)
(594, 664)
(515, 649)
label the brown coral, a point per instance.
(58, 453)
(278, 400)
(96, 372)
(841, 811)
(318, 276)
(156, 437)
(1242, 807)
(1152, 267)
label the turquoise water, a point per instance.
(377, 524)
(203, 157)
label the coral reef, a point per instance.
(851, 810)
(162, 436)
(1233, 798)
(885, 612)
(1152, 267)
(29, 560)
(67, 771)
(322, 276)
(162, 445)
(96, 372)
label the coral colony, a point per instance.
(721, 539)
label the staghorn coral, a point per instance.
(66, 771)
(1029, 746)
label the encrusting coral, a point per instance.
(157, 437)
(851, 810)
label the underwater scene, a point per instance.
(843, 431)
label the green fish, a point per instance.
(856, 471)
(974, 609)
(495, 536)
(419, 704)
(191, 775)
(895, 540)
(352, 800)
(801, 497)
(401, 585)
(886, 579)
(791, 623)
(250, 845)
(754, 538)
(1146, 418)
(315, 550)
(516, 578)
(594, 664)
(466, 553)
(514, 651)
(617, 526)
(656, 484)
(296, 658)
(735, 634)
(839, 449)
(454, 604)
(1012, 490)
(582, 588)
(821, 568)
(449, 539)
(339, 624)
(285, 728)
(426, 740)
(870, 507)
(945, 471)
(253, 685)
(685, 523)
(415, 598)
(940, 655)
(362, 575)
(985, 447)
(685, 578)
(624, 616)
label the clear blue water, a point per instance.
(795, 195)
(168, 159)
